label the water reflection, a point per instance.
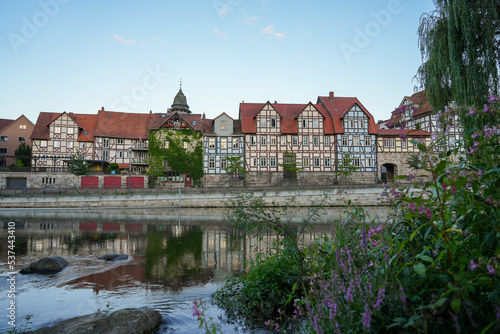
(171, 264)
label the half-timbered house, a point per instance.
(355, 134)
(222, 138)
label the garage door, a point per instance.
(136, 182)
(112, 182)
(91, 182)
(16, 182)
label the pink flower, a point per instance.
(473, 266)
(428, 213)
(491, 270)
(471, 111)
(486, 108)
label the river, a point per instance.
(175, 258)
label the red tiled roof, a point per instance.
(5, 123)
(339, 106)
(122, 124)
(41, 129)
(420, 104)
(406, 132)
(289, 114)
(207, 126)
(248, 111)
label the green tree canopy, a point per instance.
(460, 47)
(23, 153)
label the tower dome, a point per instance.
(180, 103)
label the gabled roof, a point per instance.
(420, 103)
(248, 111)
(122, 124)
(87, 124)
(41, 129)
(338, 108)
(195, 121)
(224, 114)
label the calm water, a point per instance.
(172, 262)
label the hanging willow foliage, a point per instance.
(460, 46)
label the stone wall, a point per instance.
(399, 160)
(42, 180)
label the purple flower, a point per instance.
(444, 186)
(453, 190)
(367, 318)
(493, 98)
(412, 206)
(475, 135)
(491, 269)
(428, 213)
(421, 210)
(471, 111)
(473, 266)
(486, 108)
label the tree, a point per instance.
(460, 48)
(289, 166)
(346, 166)
(235, 167)
(77, 165)
(23, 154)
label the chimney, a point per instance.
(331, 96)
(102, 108)
(150, 112)
(203, 116)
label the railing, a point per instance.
(140, 146)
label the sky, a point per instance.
(131, 56)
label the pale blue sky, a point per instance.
(80, 55)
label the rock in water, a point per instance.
(114, 257)
(46, 265)
(142, 320)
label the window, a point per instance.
(57, 143)
(393, 142)
(305, 162)
(166, 144)
(386, 142)
(404, 142)
(165, 163)
(369, 162)
(22, 126)
(283, 140)
(305, 140)
(346, 162)
(273, 140)
(263, 140)
(305, 123)
(105, 155)
(357, 162)
(253, 140)
(83, 145)
(120, 141)
(211, 142)
(127, 154)
(70, 131)
(326, 140)
(344, 141)
(4, 138)
(351, 123)
(43, 143)
(316, 141)
(223, 125)
(317, 162)
(194, 122)
(355, 141)
(273, 122)
(368, 141)
(295, 140)
(211, 162)
(361, 123)
(43, 158)
(120, 154)
(263, 162)
(105, 142)
(263, 122)
(272, 161)
(223, 143)
(69, 144)
(328, 162)
(223, 163)
(21, 139)
(57, 129)
(236, 143)
(3, 151)
(315, 123)
(287, 160)
(185, 144)
(254, 162)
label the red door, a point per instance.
(187, 180)
(112, 182)
(135, 182)
(90, 182)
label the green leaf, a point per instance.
(456, 304)
(426, 258)
(489, 240)
(420, 269)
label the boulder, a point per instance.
(46, 265)
(114, 257)
(142, 320)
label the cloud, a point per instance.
(123, 40)
(270, 30)
(250, 20)
(219, 33)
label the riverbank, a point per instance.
(201, 199)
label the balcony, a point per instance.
(139, 147)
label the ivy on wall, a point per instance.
(180, 160)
